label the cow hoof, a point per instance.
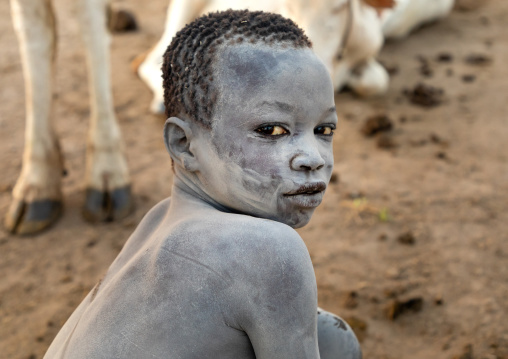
(108, 206)
(32, 217)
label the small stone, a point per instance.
(441, 155)
(438, 300)
(376, 124)
(66, 279)
(468, 78)
(392, 70)
(424, 95)
(426, 70)
(355, 195)
(436, 139)
(444, 57)
(406, 238)
(397, 307)
(478, 60)
(359, 326)
(91, 243)
(334, 178)
(351, 301)
(382, 237)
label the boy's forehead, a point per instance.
(254, 64)
(252, 79)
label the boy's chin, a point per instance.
(298, 220)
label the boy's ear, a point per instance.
(177, 138)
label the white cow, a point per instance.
(37, 195)
(347, 34)
(409, 14)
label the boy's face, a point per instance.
(269, 153)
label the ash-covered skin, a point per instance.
(253, 173)
(217, 271)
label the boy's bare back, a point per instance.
(221, 284)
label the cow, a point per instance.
(37, 194)
(407, 15)
(347, 34)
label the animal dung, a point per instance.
(398, 307)
(444, 57)
(406, 238)
(478, 60)
(376, 124)
(468, 78)
(120, 20)
(334, 178)
(424, 95)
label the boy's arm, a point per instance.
(278, 299)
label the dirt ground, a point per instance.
(410, 244)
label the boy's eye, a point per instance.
(272, 130)
(324, 130)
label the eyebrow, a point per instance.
(285, 107)
(282, 106)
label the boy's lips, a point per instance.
(308, 189)
(308, 195)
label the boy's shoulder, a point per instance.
(237, 246)
(243, 233)
(249, 249)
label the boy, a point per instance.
(217, 271)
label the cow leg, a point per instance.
(108, 191)
(369, 79)
(37, 196)
(180, 12)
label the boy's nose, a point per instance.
(307, 161)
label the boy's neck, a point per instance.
(185, 192)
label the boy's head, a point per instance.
(189, 86)
(251, 115)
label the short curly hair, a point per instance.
(187, 69)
